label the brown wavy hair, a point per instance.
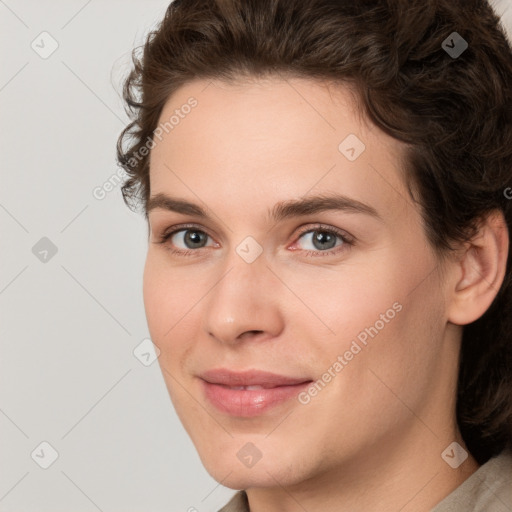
(454, 115)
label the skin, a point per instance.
(372, 438)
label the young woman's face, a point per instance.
(342, 297)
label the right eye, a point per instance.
(185, 240)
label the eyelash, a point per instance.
(348, 241)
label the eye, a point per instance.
(322, 241)
(190, 238)
(315, 241)
(185, 240)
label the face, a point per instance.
(282, 240)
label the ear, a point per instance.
(480, 270)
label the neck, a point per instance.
(405, 473)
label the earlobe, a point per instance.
(482, 269)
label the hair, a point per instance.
(453, 114)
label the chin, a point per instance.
(268, 471)
(247, 478)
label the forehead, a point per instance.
(270, 140)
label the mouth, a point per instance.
(250, 393)
(250, 388)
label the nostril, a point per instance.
(251, 333)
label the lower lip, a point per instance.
(249, 402)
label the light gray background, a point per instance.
(69, 326)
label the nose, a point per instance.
(244, 304)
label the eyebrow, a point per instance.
(281, 211)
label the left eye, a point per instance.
(321, 240)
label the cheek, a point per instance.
(172, 301)
(166, 303)
(157, 301)
(388, 319)
(400, 355)
(340, 303)
(169, 297)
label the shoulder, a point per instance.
(238, 503)
(489, 488)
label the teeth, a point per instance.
(245, 387)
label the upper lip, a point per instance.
(264, 379)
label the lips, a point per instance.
(263, 379)
(250, 388)
(249, 393)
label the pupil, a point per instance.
(321, 237)
(194, 238)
